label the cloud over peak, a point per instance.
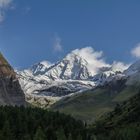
(119, 66)
(94, 58)
(136, 51)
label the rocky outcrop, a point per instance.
(10, 90)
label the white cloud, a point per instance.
(119, 66)
(136, 51)
(4, 6)
(94, 58)
(57, 44)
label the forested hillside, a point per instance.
(19, 123)
(121, 124)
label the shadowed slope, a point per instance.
(10, 90)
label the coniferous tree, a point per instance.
(61, 135)
(6, 132)
(39, 135)
(79, 137)
(70, 137)
(26, 137)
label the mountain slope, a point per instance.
(92, 104)
(10, 90)
(122, 123)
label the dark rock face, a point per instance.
(55, 91)
(10, 90)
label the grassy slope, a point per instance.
(121, 124)
(90, 105)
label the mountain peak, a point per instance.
(72, 67)
(40, 67)
(75, 58)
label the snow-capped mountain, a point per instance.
(45, 83)
(72, 67)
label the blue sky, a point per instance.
(36, 30)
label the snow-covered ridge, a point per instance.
(40, 67)
(50, 82)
